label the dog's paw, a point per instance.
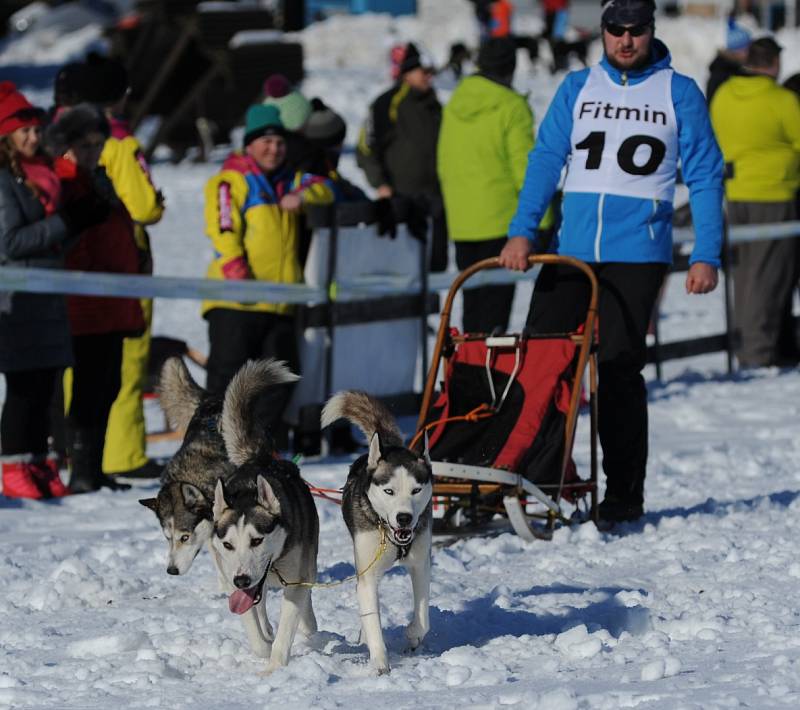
(415, 634)
(380, 664)
(270, 669)
(262, 649)
(381, 670)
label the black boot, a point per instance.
(87, 462)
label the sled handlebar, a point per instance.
(494, 263)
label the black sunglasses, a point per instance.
(619, 30)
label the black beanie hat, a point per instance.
(107, 79)
(71, 84)
(324, 126)
(627, 12)
(411, 58)
(498, 57)
(73, 124)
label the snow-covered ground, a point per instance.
(693, 607)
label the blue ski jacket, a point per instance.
(615, 228)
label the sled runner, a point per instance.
(501, 427)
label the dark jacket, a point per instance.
(719, 71)
(397, 145)
(34, 331)
(106, 247)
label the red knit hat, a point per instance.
(15, 110)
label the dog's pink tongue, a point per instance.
(242, 600)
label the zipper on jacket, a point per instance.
(650, 221)
(624, 78)
(599, 226)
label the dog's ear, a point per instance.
(219, 500)
(193, 497)
(426, 452)
(179, 394)
(151, 503)
(374, 451)
(266, 496)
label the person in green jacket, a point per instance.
(757, 124)
(485, 138)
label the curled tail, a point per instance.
(244, 432)
(179, 394)
(367, 413)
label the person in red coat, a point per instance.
(99, 324)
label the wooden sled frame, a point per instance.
(460, 487)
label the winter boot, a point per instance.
(84, 461)
(21, 478)
(86, 455)
(47, 469)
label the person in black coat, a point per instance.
(397, 145)
(35, 343)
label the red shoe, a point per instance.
(47, 473)
(21, 478)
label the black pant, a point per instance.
(24, 422)
(95, 385)
(238, 336)
(486, 307)
(95, 378)
(628, 294)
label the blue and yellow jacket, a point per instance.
(252, 236)
(616, 228)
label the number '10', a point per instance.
(596, 140)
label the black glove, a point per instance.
(384, 216)
(417, 220)
(85, 212)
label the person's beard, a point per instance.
(638, 64)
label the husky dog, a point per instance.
(266, 529)
(183, 504)
(387, 496)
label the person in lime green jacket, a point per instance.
(757, 124)
(252, 211)
(486, 135)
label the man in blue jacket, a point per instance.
(620, 128)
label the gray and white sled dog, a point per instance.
(184, 501)
(266, 529)
(387, 496)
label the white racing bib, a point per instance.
(624, 138)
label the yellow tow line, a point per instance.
(382, 544)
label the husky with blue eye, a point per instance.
(386, 502)
(266, 529)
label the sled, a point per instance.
(500, 428)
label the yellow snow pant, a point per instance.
(126, 444)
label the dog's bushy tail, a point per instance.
(367, 413)
(178, 393)
(243, 431)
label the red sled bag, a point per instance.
(504, 405)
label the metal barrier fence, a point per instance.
(35, 280)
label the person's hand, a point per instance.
(236, 269)
(702, 278)
(515, 253)
(384, 191)
(87, 211)
(291, 202)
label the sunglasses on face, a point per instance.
(619, 30)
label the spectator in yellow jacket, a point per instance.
(757, 124)
(104, 82)
(252, 216)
